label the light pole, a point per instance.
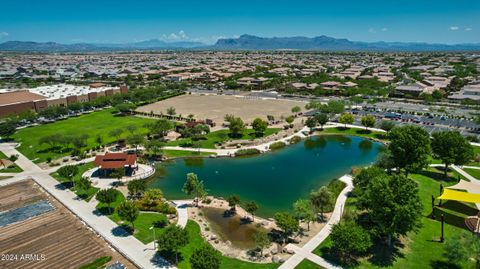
(153, 228)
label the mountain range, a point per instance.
(244, 42)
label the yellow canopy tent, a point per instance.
(460, 196)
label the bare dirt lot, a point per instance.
(215, 107)
(57, 239)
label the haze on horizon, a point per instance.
(449, 22)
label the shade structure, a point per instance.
(459, 196)
(466, 185)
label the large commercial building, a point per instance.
(37, 99)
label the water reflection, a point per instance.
(365, 146)
(315, 142)
(194, 162)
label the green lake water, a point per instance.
(274, 180)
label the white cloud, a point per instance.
(453, 28)
(468, 29)
(181, 35)
(384, 29)
(372, 30)
(3, 34)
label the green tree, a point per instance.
(233, 201)
(346, 118)
(368, 121)
(392, 205)
(68, 172)
(251, 207)
(84, 183)
(362, 179)
(107, 196)
(290, 120)
(322, 119)
(194, 186)
(262, 241)
(7, 129)
(171, 111)
(321, 199)
(131, 128)
(387, 125)
(311, 123)
(154, 147)
(410, 147)
(117, 133)
(452, 148)
(462, 247)
(172, 240)
(135, 140)
(136, 187)
(125, 108)
(205, 257)
(259, 126)
(296, 109)
(128, 211)
(304, 210)
(349, 240)
(160, 127)
(236, 125)
(118, 173)
(287, 223)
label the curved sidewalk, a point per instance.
(305, 252)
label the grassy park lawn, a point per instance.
(473, 172)
(476, 151)
(219, 136)
(142, 224)
(355, 131)
(185, 153)
(84, 194)
(196, 240)
(94, 124)
(421, 249)
(307, 264)
(14, 169)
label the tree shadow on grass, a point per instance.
(170, 256)
(438, 176)
(443, 265)
(363, 131)
(122, 231)
(382, 255)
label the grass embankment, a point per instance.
(84, 194)
(356, 132)
(94, 124)
(10, 169)
(219, 137)
(420, 249)
(98, 263)
(185, 153)
(473, 172)
(307, 264)
(196, 240)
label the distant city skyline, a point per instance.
(449, 22)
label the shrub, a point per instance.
(247, 152)
(277, 145)
(295, 139)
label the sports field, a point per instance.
(215, 107)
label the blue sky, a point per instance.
(72, 21)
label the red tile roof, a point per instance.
(115, 160)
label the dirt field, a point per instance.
(57, 239)
(215, 107)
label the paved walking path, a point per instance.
(182, 206)
(230, 152)
(306, 251)
(144, 256)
